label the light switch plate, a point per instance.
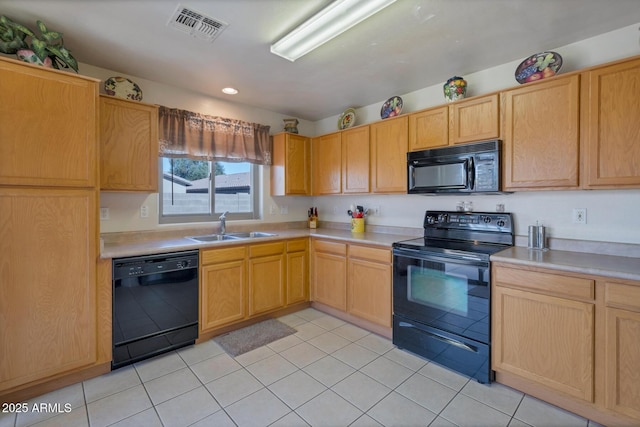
(104, 214)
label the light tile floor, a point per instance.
(330, 373)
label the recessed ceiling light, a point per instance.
(230, 90)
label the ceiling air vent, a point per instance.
(196, 24)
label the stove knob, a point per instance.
(501, 223)
(431, 219)
(442, 218)
(486, 219)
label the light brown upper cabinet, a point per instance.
(611, 125)
(389, 143)
(429, 128)
(326, 155)
(541, 134)
(475, 119)
(355, 160)
(128, 145)
(469, 120)
(48, 127)
(290, 171)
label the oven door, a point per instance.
(449, 293)
(441, 310)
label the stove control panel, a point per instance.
(483, 221)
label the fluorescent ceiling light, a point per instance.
(330, 22)
(230, 90)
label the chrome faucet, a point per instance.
(223, 222)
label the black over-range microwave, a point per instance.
(465, 168)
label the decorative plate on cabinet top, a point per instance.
(538, 66)
(122, 88)
(391, 108)
(347, 119)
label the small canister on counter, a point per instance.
(537, 237)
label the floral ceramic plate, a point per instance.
(347, 119)
(538, 66)
(391, 108)
(122, 88)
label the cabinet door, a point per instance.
(544, 339)
(290, 171)
(128, 145)
(327, 164)
(222, 296)
(389, 143)
(297, 271)
(48, 302)
(429, 129)
(611, 126)
(474, 120)
(541, 135)
(355, 160)
(369, 285)
(622, 362)
(266, 277)
(329, 278)
(48, 127)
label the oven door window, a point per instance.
(438, 290)
(447, 295)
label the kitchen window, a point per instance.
(201, 190)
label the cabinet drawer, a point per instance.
(369, 253)
(297, 245)
(548, 283)
(330, 247)
(211, 256)
(623, 296)
(266, 249)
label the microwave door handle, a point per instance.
(471, 170)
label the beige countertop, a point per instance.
(599, 264)
(150, 245)
(620, 267)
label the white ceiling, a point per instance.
(410, 45)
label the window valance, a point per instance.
(186, 134)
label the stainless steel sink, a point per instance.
(230, 236)
(213, 237)
(250, 234)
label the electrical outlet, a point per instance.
(144, 211)
(335, 210)
(284, 210)
(579, 215)
(273, 210)
(104, 214)
(376, 210)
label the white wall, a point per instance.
(611, 215)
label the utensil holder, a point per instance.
(357, 225)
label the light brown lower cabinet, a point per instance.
(55, 303)
(369, 284)
(266, 277)
(329, 280)
(238, 283)
(223, 287)
(353, 278)
(570, 339)
(622, 346)
(297, 271)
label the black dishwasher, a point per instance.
(155, 305)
